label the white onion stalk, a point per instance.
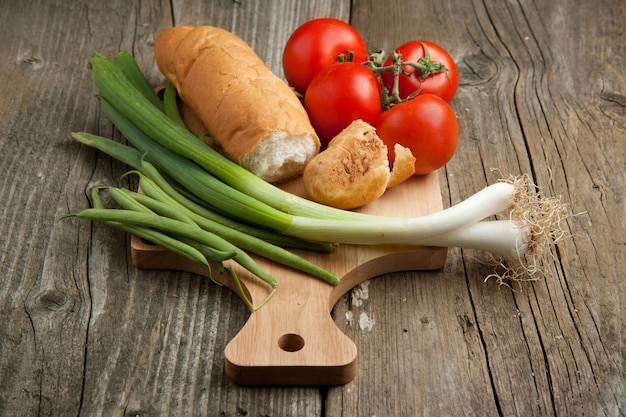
(499, 237)
(533, 225)
(376, 230)
(517, 195)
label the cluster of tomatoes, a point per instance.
(404, 95)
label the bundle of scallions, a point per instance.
(201, 205)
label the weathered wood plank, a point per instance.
(85, 332)
(517, 84)
(45, 301)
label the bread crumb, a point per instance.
(359, 293)
(366, 322)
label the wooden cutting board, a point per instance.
(293, 340)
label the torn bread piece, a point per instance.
(403, 165)
(354, 170)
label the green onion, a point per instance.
(170, 103)
(133, 158)
(163, 204)
(128, 66)
(189, 231)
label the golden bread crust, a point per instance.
(230, 89)
(403, 165)
(352, 171)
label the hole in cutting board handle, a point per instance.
(291, 342)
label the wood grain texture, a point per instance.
(83, 332)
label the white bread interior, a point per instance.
(280, 155)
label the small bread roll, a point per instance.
(247, 110)
(354, 170)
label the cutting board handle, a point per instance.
(293, 339)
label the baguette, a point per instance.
(248, 111)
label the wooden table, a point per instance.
(83, 332)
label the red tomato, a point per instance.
(427, 125)
(316, 45)
(341, 94)
(443, 84)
